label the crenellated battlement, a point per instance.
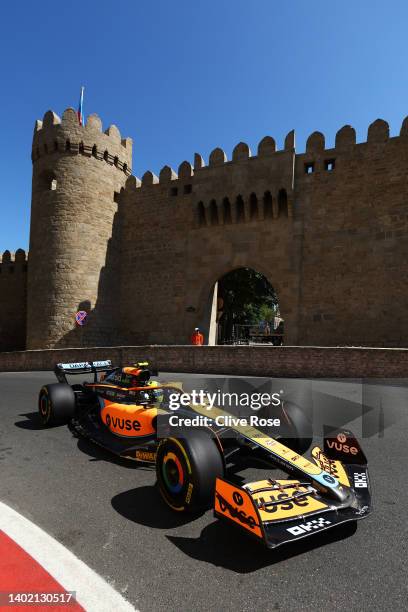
(217, 158)
(378, 132)
(11, 261)
(54, 135)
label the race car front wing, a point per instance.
(277, 512)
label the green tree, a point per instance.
(248, 298)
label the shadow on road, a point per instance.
(32, 422)
(144, 506)
(218, 545)
(97, 453)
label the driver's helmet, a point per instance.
(136, 376)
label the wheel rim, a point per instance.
(173, 473)
(44, 406)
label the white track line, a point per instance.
(92, 592)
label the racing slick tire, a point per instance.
(56, 404)
(186, 469)
(299, 427)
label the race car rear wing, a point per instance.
(85, 367)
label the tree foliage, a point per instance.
(248, 298)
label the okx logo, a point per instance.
(309, 526)
(360, 480)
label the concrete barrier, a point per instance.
(285, 361)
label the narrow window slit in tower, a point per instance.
(268, 213)
(253, 207)
(226, 217)
(240, 209)
(67, 145)
(202, 221)
(214, 213)
(309, 168)
(94, 151)
(282, 203)
(329, 165)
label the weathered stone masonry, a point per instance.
(328, 228)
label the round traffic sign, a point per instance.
(80, 317)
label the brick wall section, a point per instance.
(172, 266)
(355, 249)
(302, 362)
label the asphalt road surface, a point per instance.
(110, 515)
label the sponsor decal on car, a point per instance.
(74, 366)
(144, 455)
(360, 480)
(189, 492)
(236, 505)
(341, 447)
(346, 444)
(282, 502)
(122, 423)
(289, 503)
(312, 525)
(236, 512)
(331, 466)
(102, 364)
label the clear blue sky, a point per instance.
(180, 77)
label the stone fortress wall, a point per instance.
(327, 227)
(13, 300)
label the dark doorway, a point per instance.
(247, 309)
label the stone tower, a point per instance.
(78, 174)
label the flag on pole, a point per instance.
(81, 107)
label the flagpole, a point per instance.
(81, 119)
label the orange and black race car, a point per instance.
(128, 413)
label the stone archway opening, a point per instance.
(245, 310)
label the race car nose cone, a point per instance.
(344, 495)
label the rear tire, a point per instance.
(56, 404)
(186, 470)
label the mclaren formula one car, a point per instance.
(121, 410)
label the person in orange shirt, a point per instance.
(197, 337)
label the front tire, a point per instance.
(186, 470)
(300, 428)
(56, 404)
